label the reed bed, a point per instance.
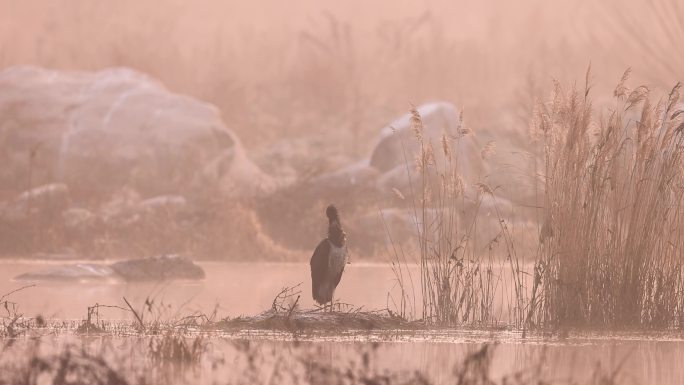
(611, 241)
(611, 224)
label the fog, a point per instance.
(306, 87)
(497, 170)
(303, 68)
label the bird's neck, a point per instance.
(335, 233)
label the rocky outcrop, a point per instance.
(386, 182)
(398, 144)
(160, 268)
(42, 201)
(51, 205)
(99, 131)
(387, 168)
(123, 164)
(119, 159)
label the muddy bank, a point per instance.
(320, 320)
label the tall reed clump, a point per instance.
(611, 243)
(460, 282)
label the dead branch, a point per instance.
(135, 313)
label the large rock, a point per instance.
(479, 222)
(392, 160)
(158, 268)
(346, 182)
(101, 130)
(42, 201)
(80, 220)
(398, 147)
(398, 142)
(380, 180)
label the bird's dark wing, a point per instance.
(338, 277)
(319, 266)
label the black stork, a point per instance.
(328, 260)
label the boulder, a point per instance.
(306, 157)
(385, 179)
(98, 131)
(387, 168)
(158, 268)
(79, 219)
(398, 142)
(120, 210)
(126, 208)
(398, 147)
(42, 201)
(378, 231)
(357, 176)
(392, 228)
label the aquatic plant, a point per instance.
(611, 241)
(459, 281)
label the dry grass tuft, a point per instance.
(13, 323)
(458, 280)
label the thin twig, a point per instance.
(135, 313)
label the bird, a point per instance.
(328, 260)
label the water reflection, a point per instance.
(249, 288)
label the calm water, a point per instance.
(250, 288)
(236, 288)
